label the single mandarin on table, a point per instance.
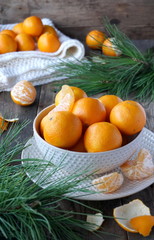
(48, 42)
(89, 110)
(142, 224)
(7, 44)
(102, 136)
(9, 32)
(25, 42)
(62, 129)
(123, 214)
(78, 93)
(140, 167)
(129, 117)
(110, 49)
(109, 102)
(109, 182)
(23, 93)
(33, 26)
(18, 28)
(95, 39)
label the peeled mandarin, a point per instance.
(23, 93)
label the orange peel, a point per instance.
(142, 224)
(95, 220)
(4, 122)
(123, 214)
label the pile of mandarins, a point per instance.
(85, 124)
(28, 36)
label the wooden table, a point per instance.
(45, 96)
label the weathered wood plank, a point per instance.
(10, 110)
(134, 18)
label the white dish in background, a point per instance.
(128, 187)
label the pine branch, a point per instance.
(28, 212)
(130, 74)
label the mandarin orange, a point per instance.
(33, 26)
(7, 44)
(25, 42)
(95, 39)
(9, 32)
(62, 129)
(89, 110)
(18, 28)
(109, 102)
(23, 93)
(50, 29)
(48, 42)
(102, 136)
(128, 116)
(109, 48)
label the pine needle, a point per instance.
(28, 212)
(130, 74)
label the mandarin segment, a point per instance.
(78, 93)
(102, 136)
(89, 110)
(65, 100)
(139, 168)
(142, 224)
(109, 183)
(62, 129)
(23, 93)
(129, 117)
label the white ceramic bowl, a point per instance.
(77, 161)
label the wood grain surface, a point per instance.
(76, 18)
(45, 97)
(134, 17)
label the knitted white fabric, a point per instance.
(33, 66)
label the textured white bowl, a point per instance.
(77, 161)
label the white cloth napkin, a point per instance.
(36, 66)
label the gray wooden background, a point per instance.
(76, 18)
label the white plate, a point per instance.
(128, 187)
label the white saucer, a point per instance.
(128, 187)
